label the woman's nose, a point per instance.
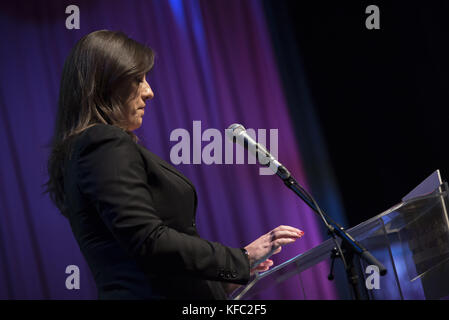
(147, 93)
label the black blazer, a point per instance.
(133, 216)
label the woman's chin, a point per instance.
(135, 125)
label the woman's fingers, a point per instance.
(283, 235)
(279, 234)
(271, 243)
(294, 231)
(277, 250)
(267, 262)
(263, 266)
(275, 245)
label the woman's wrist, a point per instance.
(246, 254)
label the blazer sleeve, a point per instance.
(111, 174)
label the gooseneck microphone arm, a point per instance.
(333, 226)
(350, 245)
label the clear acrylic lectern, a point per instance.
(412, 241)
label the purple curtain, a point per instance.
(214, 64)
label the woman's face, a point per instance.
(136, 105)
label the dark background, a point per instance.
(381, 96)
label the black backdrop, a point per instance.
(381, 96)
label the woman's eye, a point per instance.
(140, 79)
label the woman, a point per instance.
(133, 214)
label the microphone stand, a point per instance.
(350, 247)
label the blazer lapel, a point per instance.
(167, 166)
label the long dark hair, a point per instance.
(100, 74)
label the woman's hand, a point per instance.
(262, 248)
(271, 243)
(262, 267)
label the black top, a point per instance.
(133, 216)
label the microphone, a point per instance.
(265, 158)
(239, 132)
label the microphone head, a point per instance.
(234, 130)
